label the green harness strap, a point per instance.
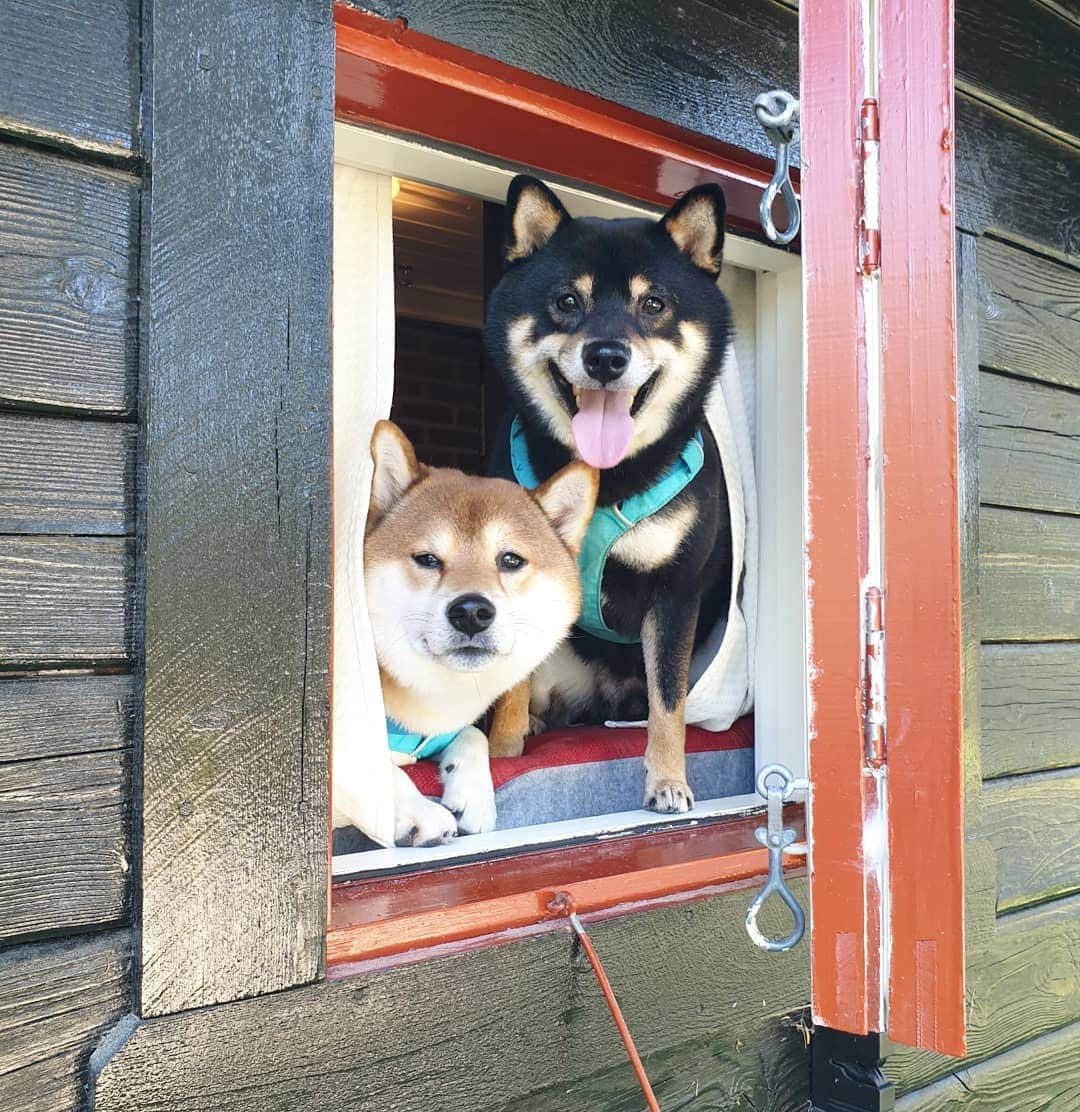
(609, 523)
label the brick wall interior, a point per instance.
(439, 392)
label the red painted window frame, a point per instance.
(401, 81)
(921, 963)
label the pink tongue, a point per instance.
(603, 426)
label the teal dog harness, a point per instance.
(609, 523)
(416, 745)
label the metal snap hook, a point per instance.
(778, 113)
(776, 838)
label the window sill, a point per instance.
(397, 919)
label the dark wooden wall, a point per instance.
(70, 187)
(1018, 209)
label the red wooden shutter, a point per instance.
(886, 830)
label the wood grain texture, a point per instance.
(64, 476)
(237, 347)
(1015, 180)
(1029, 576)
(1030, 708)
(1023, 983)
(63, 831)
(1029, 445)
(706, 1073)
(1021, 54)
(68, 282)
(1039, 1076)
(698, 65)
(1033, 824)
(1030, 319)
(58, 716)
(56, 1000)
(65, 601)
(489, 1029)
(967, 421)
(71, 71)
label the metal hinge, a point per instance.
(870, 220)
(874, 676)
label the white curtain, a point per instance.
(722, 672)
(363, 794)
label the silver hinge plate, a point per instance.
(870, 220)
(874, 676)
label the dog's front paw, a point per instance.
(668, 797)
(467, 788)
(422, 822)
(472, 804)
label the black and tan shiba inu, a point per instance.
(471, 583)
(610, 335)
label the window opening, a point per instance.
(443, 247)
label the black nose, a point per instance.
(605, 360)
(471, 614)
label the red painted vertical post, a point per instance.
(922, 554)
(844, 954)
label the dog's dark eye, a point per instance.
(652, 305)
(427, 560)
(567, 303)
(511, 561)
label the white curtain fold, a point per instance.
(363, 388)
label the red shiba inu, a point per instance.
(471, 583)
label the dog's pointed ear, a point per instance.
(533, 215)
(396, 469)
(568, 499)
(696, 225)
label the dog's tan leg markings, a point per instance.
(667, 669)
(510, 722)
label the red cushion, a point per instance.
(585, 745)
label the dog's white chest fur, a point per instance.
(653, 542)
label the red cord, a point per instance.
(563, 904)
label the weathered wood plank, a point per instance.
(1029, 445)
(967, 422)
(64, 476)
(1024, 983)
(1030, 314)
(533, 1007)
(57, 716)
(56, 1000)
(68, 281)
(65, 601)
(1016, 180)
(768, 1070)
(237, 551)
(698, 66)
(1029, 576)
(71, 71)
(1033, 823)
(63, 827)
(1037, 1076)
(1022, 54)
(1030, 708)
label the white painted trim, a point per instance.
(538, 837)
(410, 158)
